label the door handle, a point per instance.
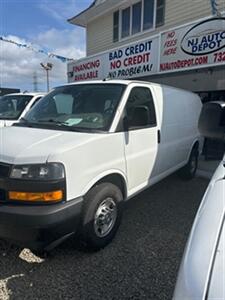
(159, 136)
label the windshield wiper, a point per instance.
(59, 124)
(53, 122)
(24, 120)
(87, 130)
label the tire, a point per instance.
(188, 172)
(102, 213)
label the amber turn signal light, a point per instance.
(53, 196)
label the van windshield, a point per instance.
(85, 107)
(12, 106)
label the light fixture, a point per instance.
(47, 67)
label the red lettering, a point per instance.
(137, 59)
(170, 34)
(87, 66)
(115, 64)
(170, 51)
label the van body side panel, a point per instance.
(89, 162)
(179, 113)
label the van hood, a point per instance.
(23, 145)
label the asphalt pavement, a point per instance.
(141, 263)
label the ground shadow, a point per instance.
(141, 263)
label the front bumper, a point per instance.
(39, 227)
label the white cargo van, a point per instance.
(202, 276)
(13, 107)
(83, 150)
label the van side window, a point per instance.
(140, 110)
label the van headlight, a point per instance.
(48, 171)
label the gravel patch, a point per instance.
(141, 263)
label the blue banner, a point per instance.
(49, 54)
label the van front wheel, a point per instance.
(102, 214)
(188, 172)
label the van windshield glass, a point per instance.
(12, 106)
(76, 107)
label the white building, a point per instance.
(177, 42)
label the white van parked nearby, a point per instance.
(13, 107)
(83, 150)
(202, 271)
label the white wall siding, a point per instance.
(100, 35)
(178, 12)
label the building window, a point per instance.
(136, 17)
(125, 22)
(116, 26)
(142, 16)
(160, 13)
(148, 14)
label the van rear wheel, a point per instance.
(188, 172)
(102, 214)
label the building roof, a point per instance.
(77, 20)
(96, 9)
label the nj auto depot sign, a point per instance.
(193, 46)
(196, 45)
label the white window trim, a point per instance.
(131, 17)
(159, 7)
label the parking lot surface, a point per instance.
(141, 263)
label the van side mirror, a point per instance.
(212, 120)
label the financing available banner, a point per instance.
(91, 68)
(193, 46)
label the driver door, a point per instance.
(141, 141)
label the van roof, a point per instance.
(123, 81)
(108, 81)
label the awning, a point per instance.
(96, 9)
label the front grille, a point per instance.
(4, 170)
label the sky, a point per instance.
(41, 24)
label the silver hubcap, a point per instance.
(105, 217)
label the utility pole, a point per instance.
(47, 67)
(35, 82)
